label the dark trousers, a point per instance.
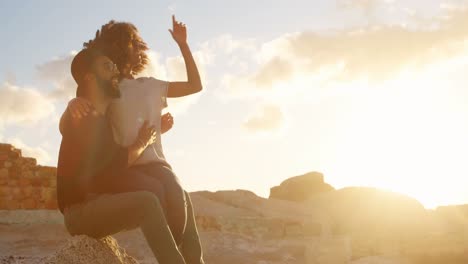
(107, 214)
(175, 202)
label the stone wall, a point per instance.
(23, 183)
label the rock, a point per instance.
(20, 174)
(8, 152)
(380, 260)
(29, 204)
(453, 211)
(23, 182)
(3, 156)
(230, 248)
(207, 223)
(51, 204)
(242, 203)
(84, 250)
(359, 206)
(30, 217)
(300, 188)
(5, 191)
(378, 222)
(328, 251)
(452, 218)
(16, 259)
(4, 173)
(243, 212)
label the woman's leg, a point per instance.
(191, 244)
(174, 196)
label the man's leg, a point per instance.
(191, 244)
(111, 213)
(174, 196)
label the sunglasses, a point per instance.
(110, 66)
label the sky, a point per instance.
(368, 92)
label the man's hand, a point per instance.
(178, 32)
(79, 107)
(167, 121)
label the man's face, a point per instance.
(107, 76)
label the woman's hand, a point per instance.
(146, 135)
(167, 121)
(178, 32)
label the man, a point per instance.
(90, 163)
(143, 99)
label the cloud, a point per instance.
(41, 155)
(22, 105)
(361, 4)
(172, 7)
(154, 68)
(272, 71)
(176, 72)
(227, 44)
(57, 72)
(366, 5)
(268, 118)
(369, 8)
(173, 69)
(374, 53)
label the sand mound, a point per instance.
(85, 250)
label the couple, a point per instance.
(112, 174)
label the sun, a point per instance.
(407, 135)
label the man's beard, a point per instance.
(108, 88)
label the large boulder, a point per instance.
(453, 218)
(378, 222)
(370, 209)
(300, 188)
(85, 250)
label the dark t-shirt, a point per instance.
(88, 159)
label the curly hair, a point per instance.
(114, 39)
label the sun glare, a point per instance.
(407, 136)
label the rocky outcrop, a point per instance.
(328, 251)
(300, 188)
(85, 250)
(243, 212)
(378, 222)
(369, 208)
(23, 183)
